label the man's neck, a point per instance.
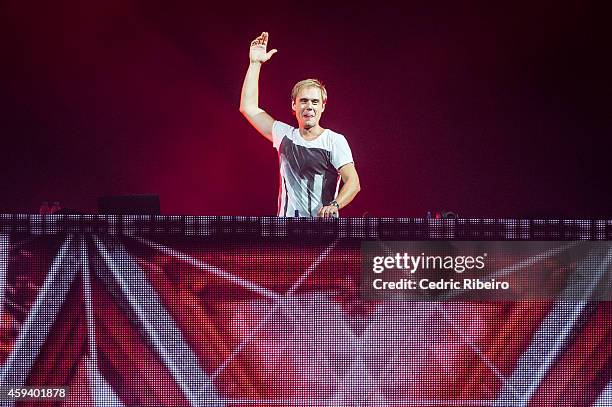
(311, 133)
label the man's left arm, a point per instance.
(349, 190)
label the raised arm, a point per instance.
(249, 98)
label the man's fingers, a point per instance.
(271, 52)
(261, 39)
(327, 212)
(258, 43)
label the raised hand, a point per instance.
(258, 49)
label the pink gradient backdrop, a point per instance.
(482, 110)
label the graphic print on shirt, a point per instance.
(309, 176)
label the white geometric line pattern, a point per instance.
(280, 300)
(605, 398)
(356, 386)
(357, 362)
(249, 285)
(503, 272)
(5, 241)
(551, 337)
(277, 306)
(158, 325)
(403, 403)
(103, 394)
(530, 261)
(38, 324)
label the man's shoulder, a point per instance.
(280, 130)
(282, 127)
(335, 137)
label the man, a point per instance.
(312, 159)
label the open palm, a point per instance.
(258, 51)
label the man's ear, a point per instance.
(323, 106)
(293, 107)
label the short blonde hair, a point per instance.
(306, 83)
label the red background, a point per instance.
(499, 111)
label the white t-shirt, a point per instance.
(309, 175)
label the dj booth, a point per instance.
(260, 311)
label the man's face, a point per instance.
(308, 107)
